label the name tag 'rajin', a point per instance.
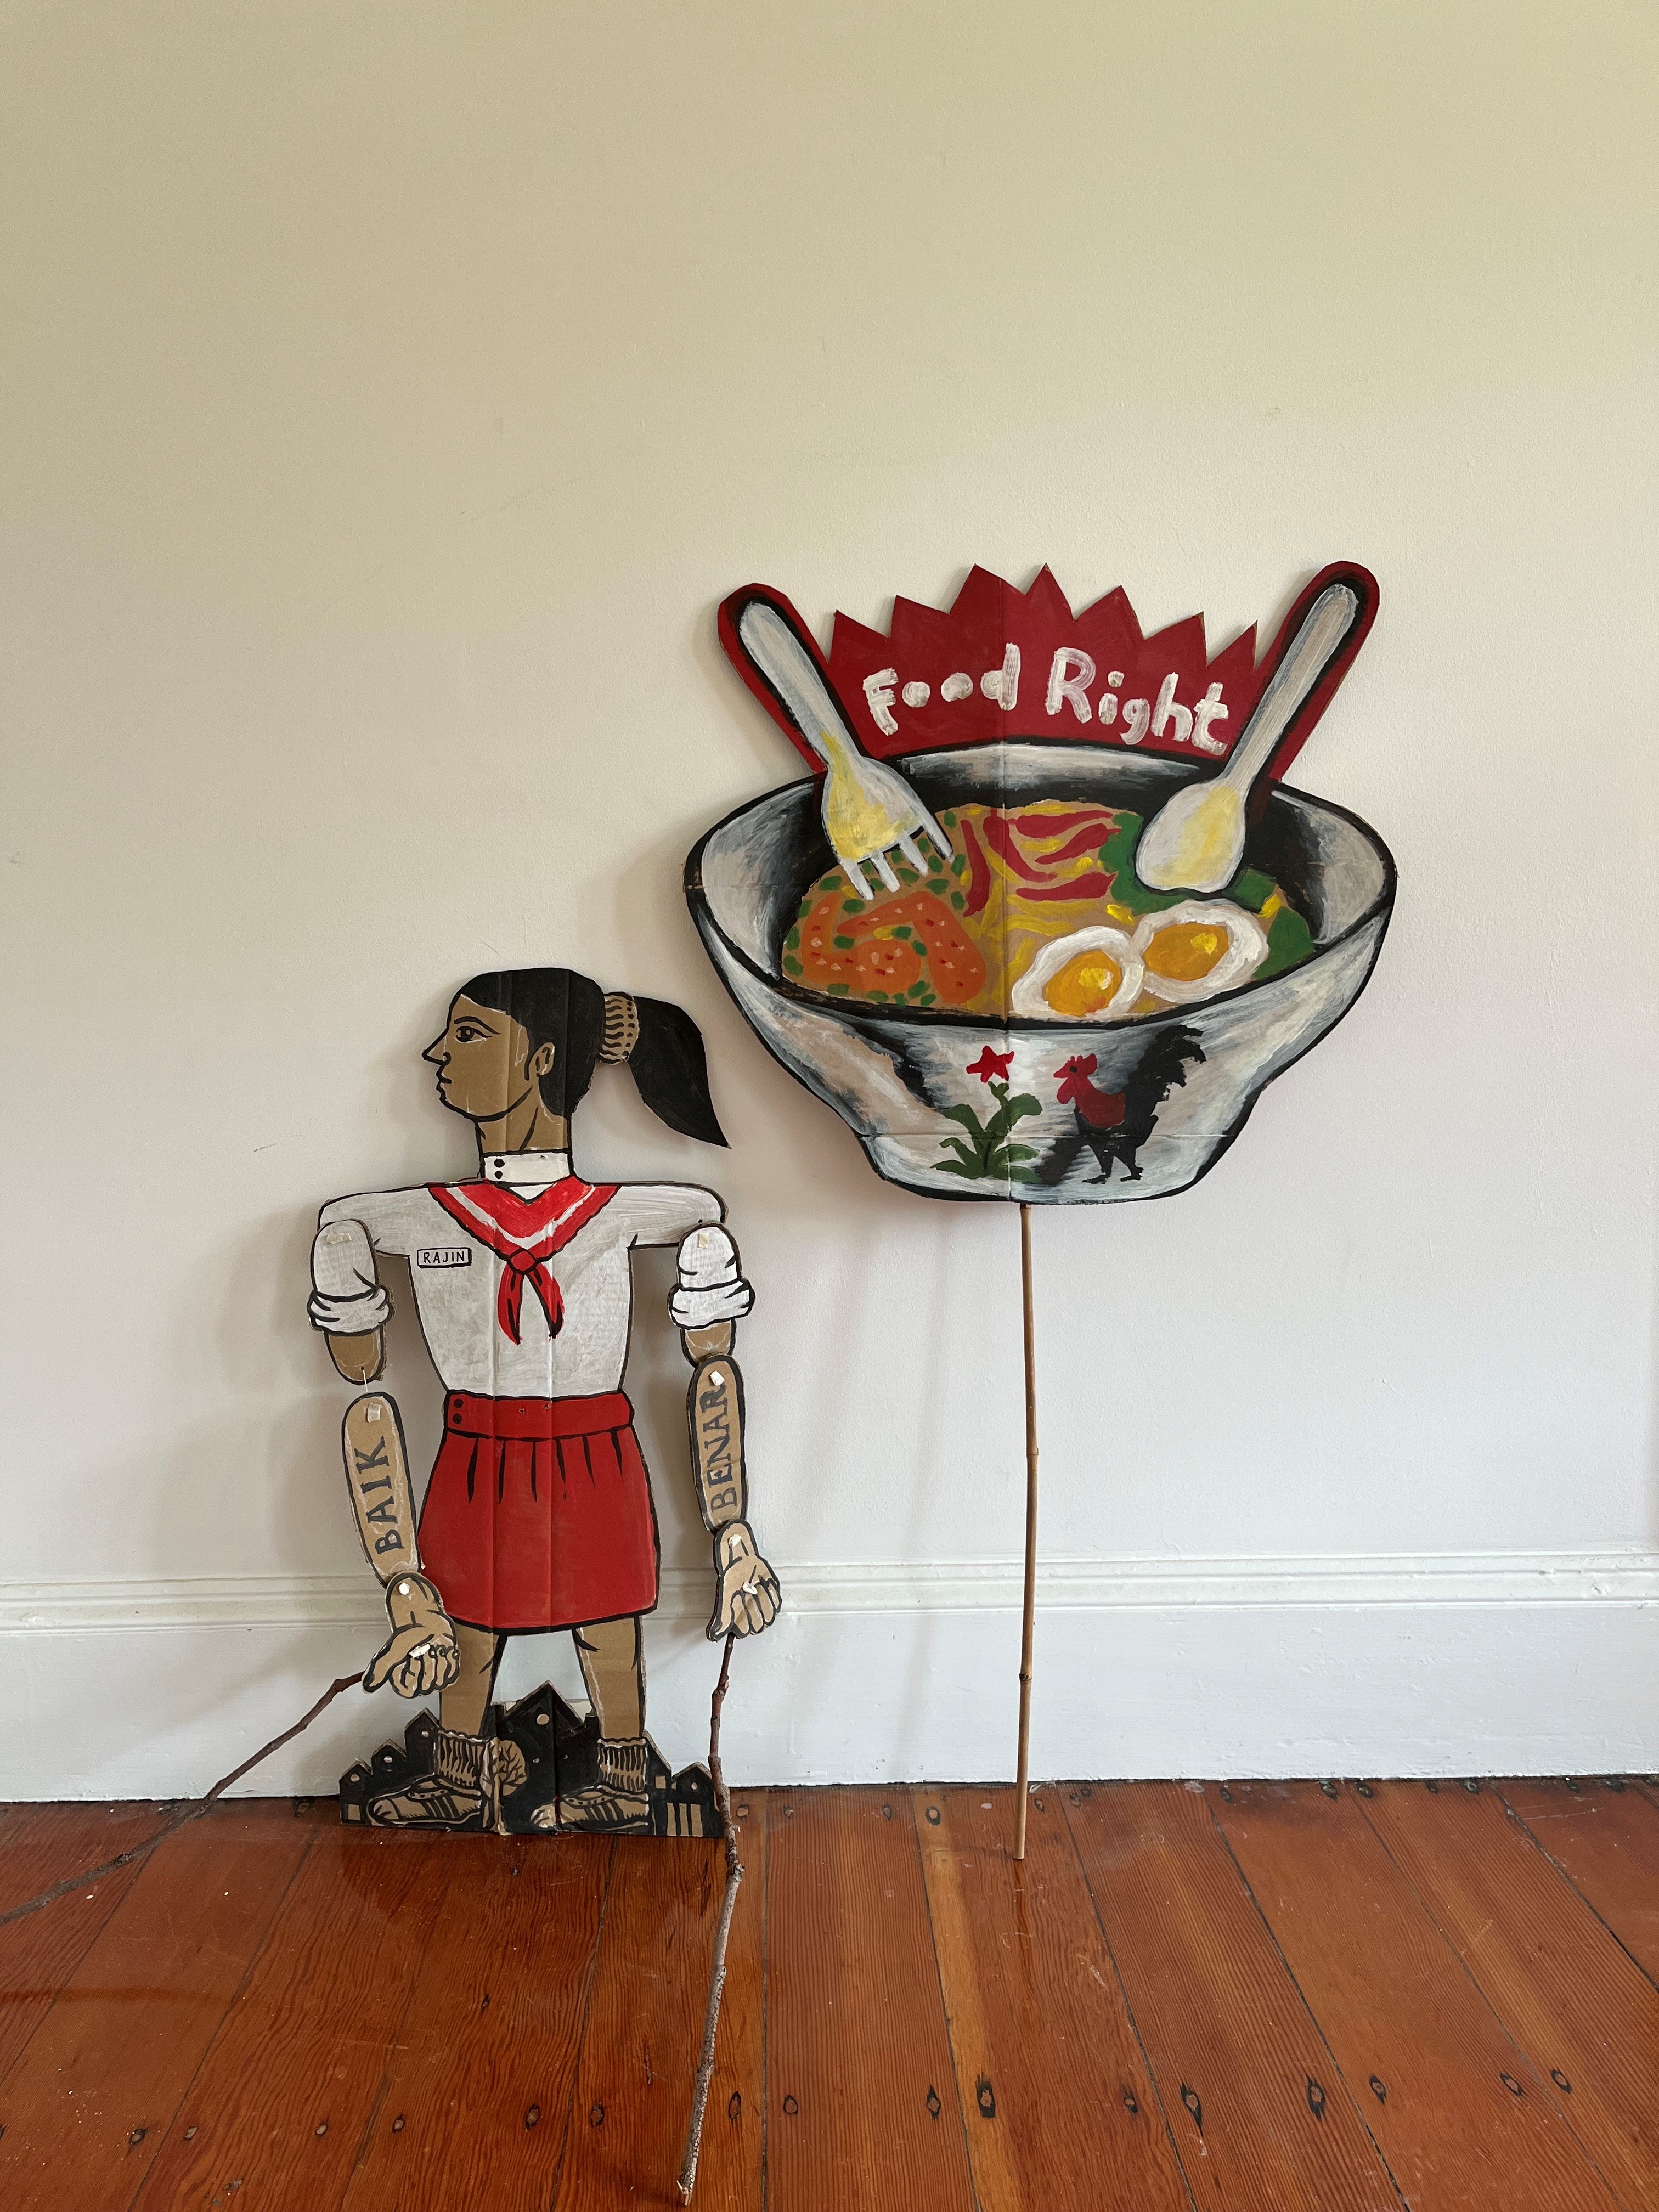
(444, 1255)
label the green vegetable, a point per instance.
(1250, 887)
(1290, 942)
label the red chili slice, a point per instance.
(1091, 885)
(1089, 840)
(999, 837)
(979, 871)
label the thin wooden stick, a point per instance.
(1028, 1624)
(181, 1818)
(687, 2181)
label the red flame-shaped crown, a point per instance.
(1004, 663)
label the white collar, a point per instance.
(526, 1170)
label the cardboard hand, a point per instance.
(420, 1656)
(747, 1600)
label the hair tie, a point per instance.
(622, 1027)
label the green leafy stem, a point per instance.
(987, 1151)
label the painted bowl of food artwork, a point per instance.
(1027, 1019)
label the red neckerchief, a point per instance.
(526, 1233)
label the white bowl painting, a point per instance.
(927, 1090)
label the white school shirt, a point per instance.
(456, 1279)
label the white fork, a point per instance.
(869, 811)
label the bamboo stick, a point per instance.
(1028, 1624)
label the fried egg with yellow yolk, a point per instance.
(1197, 949)
(1091, 975)
(1175, 957)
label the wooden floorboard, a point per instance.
(477, 2087)
(1354, 1999)
(1567, 1991)
(281, 2104)
(627, 2119)
(1604, 1836)
(1261, 2117)
(102, 2078)
(862, 2111)
(1461, 2116)
(39, 1846)
(1062, 2112)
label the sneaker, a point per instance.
(617, 1812)
(470, 1775)
(428, 1803)
(616, 1802)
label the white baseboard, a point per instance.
(883, 1671)
(887, 1586)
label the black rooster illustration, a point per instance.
(1116, 1124)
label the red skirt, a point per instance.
(538, 1514)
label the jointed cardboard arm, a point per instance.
(711, 1295)
(420, 1656)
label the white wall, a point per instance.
(390, 394)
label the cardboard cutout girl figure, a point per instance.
(538, 1514)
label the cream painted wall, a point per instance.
(390, 392)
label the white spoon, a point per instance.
(1195, 841)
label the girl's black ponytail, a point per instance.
(662, 1046)
(670, 1071)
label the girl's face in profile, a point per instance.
(484, 1063)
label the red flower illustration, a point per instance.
(992, 1066)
